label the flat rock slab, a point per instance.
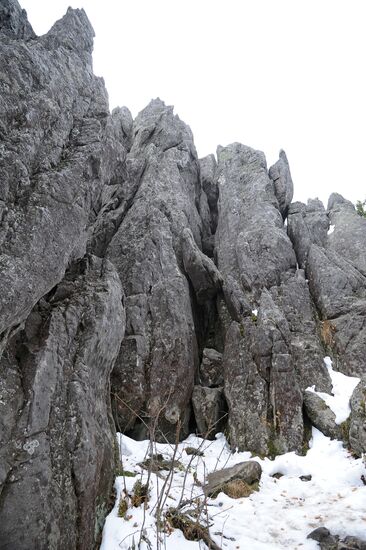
(249, 471)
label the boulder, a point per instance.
(321, 416)
(327, 541)
(249, 471)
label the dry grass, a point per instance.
(140, 494)
(122, 507)
(327, 331)
(237, 488)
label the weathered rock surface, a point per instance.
(263, 396)
(339, 291)
(321, 416)
(283, 186)
(201, 270)
(327, 541)
(236, 303)
(249, 471)
(56, 429)
(251, 243)
(209, 410)
(306, 225)
(357, 421)
(55, 155)
(13, 21)
(147, 252)
(306, 349)
(215, 302)
(211, 369)
(349, 231)
(335, 267)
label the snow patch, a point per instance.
(331, 229)
(342, 389)
(279, 516)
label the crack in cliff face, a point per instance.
(224, 308)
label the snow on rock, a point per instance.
(280, 515)
(331, 229)
(342, 389)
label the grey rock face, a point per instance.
(246, 391)
(261, 388)
(281, 353)
(293, 299)
(57, 434)
(59, 149)
(209, 410)
(235, 300)
(13, 21)
(357, 425)
(335, 268)
(321, 416)
(209, 185)
(335, 284)
(53, 160)
(339, 291)
(249, 471)
(147, 251)
(211, 370)
(283, 186)
(90, 199)
(201, 270)
(349, 235)
(273, 344)
(306, 225)
(251, 243)
(327, 541)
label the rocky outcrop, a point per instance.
(348, 231)
(58, 149)
(57, 435)
(329, 245)
(60, 333)
(283, 186)
(251, 242)
(306, 225)
(127, 261)
(147, 252)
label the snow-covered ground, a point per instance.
(280, 515)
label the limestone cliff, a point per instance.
(139, 280)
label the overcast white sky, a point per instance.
(269, 73)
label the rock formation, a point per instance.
(140, 280)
